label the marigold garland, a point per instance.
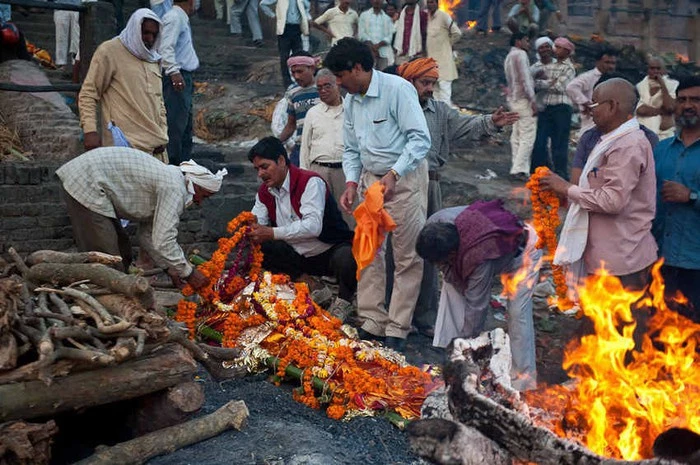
(356, 375)
(545, 213)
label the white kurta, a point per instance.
(443, 32)
(656, 100)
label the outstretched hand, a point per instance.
(502, 118)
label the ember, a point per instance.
(623, 398)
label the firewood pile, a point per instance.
(478, 419)
(77, 333)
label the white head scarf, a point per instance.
(197, 174)
(130, 37)
(543, 40)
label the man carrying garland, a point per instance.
(299, 225)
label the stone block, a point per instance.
(17, 222)
(54, 221)
(20, 209)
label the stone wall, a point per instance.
(33, 217)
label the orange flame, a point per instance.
(625, 397)
(449, 6)
(512, 281)
(682, 58)
(471, 24)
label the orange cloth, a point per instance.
(422, 67)
(373, 222)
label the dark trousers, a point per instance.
(687, 282)
(95, 232)
(178, 107)
(553, 123)
(337, 261)
(289, 42)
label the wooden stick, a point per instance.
(63, 275)
(232, 415)
(60, 304)
(21, 266)
(52, 256)
(91, 301)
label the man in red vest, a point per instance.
(299, 225)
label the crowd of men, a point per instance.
(356, 122)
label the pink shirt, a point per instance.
(521, 86)
(621, 203)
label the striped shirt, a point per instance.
(121, 182)
(552, 89)
(299, 101)
(377, 28)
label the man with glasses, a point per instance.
(612, 207)
(678, 208)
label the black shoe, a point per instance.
(396, 343)
(427, 331)
(367, 336)
(258, 43)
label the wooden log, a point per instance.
(514, 431)
(102, 275)
(232, 415)
(26, 443)
(165, 408)
(52, 256)
(158, 370)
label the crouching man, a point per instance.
(105, 184)
(299, 225)
(471, 245)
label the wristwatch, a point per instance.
(397, 177)
(693, 197)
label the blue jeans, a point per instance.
(250, 8)
(554, 123)
(482, 20)
(178, 106)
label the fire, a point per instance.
(682, 58)
(471, 24)
(449, 6)
(512, 281)
(627, 393)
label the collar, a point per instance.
(372, 89)
(335, 109)
(430, 106)
(284, 188)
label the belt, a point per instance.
(433, 175)
(158, 150)
(328, 165)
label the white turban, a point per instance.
(197, 174)
(130, 37)
(543, 40)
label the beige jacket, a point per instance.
(130, 94)
(443, 32)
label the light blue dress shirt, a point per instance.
(384, 129)
(176, 46)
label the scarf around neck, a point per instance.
(130, 37)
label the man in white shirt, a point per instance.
(580, 89)
(657, 100)
(179, 61)
(376, 29)
(341, 21)
(521, 99)
(299, 225)
(322, 137)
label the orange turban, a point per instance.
(373, 222)
(422, 67)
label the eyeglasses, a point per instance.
(325, 87)
(693, 99)
(596, 104)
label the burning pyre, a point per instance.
(628, 386)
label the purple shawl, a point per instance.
(486, 231)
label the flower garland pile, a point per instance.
(545, 213)
(268, 316)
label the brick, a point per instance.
(18, 222)
(51, 207)
(194, 226)
(20, 209)
(52, 221)
(10, 174)
(23, 175)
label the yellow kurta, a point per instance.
(442, 33)
(130, 93)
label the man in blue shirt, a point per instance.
(677, 219)
(179, 61)
(386, 140)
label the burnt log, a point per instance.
(26, 443)
(232, 415)
(165, 408)
(160, 369)
(60, 274)
(513, 430)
